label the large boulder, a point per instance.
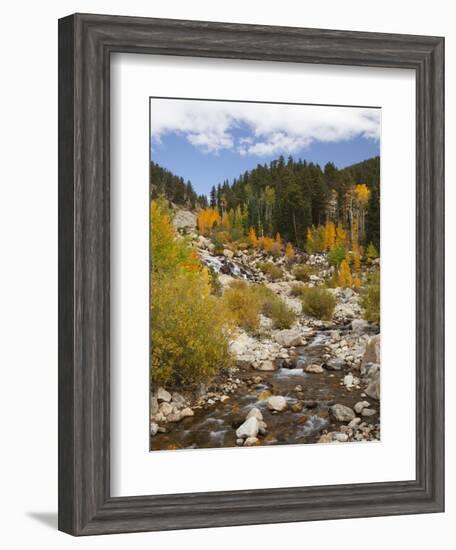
(267, 365)
(372, 352)
(184, 219)
(289, 337)
(163, 395)
(255, 413)
(373, 385)
(277, 403)
(335, 363)
(249, 428)
(342, 413)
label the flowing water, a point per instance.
(216, 426)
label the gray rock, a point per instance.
(360, 406)
(163, 395)
(267, 365)
(186, 412)
(256, 413)
(184, 219)
(178, 400)
(314, 368)
(289, 337)
(174, 417)
(353, 423)
(342, 437)
(342, 413)
(335, 363)
(153, 428)
(251, 441)
(372, 352)
(373, 388)
(249, 428)
(154, 405)
(277, 403)
(228, 253)
(368, 412)
(165, 409)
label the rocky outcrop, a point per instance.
(184, 219)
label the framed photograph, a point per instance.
(251, 274)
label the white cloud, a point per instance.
(211, 125)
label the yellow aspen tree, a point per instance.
(253, 237)
(341, 235)
(278, 238)
(330, 236)
(356, 282)
(207, 218)
(345, 278)
(289, 251)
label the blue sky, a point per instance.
(209, 141)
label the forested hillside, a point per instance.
(288, 197)
(174, 188)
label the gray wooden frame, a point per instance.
(85, 45)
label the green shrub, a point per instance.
(274, 307)
(297, 290)
(318, 302)
(302, 272)
(337, 255)
(189, 333)
(282, 316)
(274, 272)
(370, 299)
(244, 305)
(332, 282)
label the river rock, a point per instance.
(277, 403)
(289, 337)
(249, 428)
(360, 406)
(166, 409)
(267, 365)
(334, 364)
(178, 400)
(153, 428)
(228, 253)
(368, 412)
(353, 423)
(163, 395)
(372, 352)
(314, 368)
(254, 412)
(373, 386)
(153, 406)
(251, 441)
(342, 413)
(186, 412)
